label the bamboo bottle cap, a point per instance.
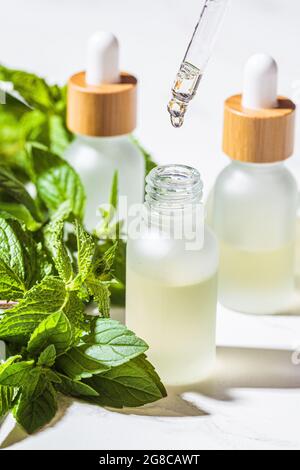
(106, 110)
(102, 101)
(259, 136)
(259, 127)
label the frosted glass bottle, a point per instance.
(254, 217)
(96, 159)
(254, 203)
(171, 290)
(102, 113)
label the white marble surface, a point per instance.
(254, 400)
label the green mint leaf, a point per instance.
(6, 399)
(75, 388)
(32, 413)
(52, 376)
(56, 246)
(101, 294)
(34, 384)
(104, 260)
(40, 301)
(47, 357)
(74, 309)
(16, 374)
(18, 258)
(55, 330)
(56, 181)
(59, 136)
(85, 251)
(112, 343)
(20, 212)
(13, 188)
(35, 90)
(76, 364)
(134, 383)
(54, 240)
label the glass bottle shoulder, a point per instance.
(88, 151)
(162, 258)
(267, 180)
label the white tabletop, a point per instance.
(254, 400)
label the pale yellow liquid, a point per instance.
(256, 281)
(177, 322)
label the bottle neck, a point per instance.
(173, 189)
(173, 202)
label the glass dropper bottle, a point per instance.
(195, 60)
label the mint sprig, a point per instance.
(51, 268)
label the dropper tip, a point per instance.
(177, 111)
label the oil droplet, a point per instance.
(177, 111)
(177, 121)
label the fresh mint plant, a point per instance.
(51, 268)
(57, 347)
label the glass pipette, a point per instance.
(195, 60)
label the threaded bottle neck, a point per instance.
(172, 188)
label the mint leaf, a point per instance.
(52, 376)
(13, 188)
(54, 239)
(76, 364)
(6, 399)
(112, 343)
(134, 383)
(34, 412)
(16, 374)
(33, 89)
(74, 309)
(47, 357)
(75, 388)
(59, 136)
(104, 260)
(40, 301)
(17, 259)
(56, 181)
(55, 330)
(85, 251)
(20, 212)
(101, 294)
(34, 384)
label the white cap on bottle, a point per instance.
(260, 82)
(102, 59)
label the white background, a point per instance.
(49, 37)
(254, 401)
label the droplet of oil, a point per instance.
(176, 110)
(176, 121)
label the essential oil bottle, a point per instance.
(172, 266)
(102, 113)
(254, 201)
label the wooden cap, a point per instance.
(104, 111)
(259, 136)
